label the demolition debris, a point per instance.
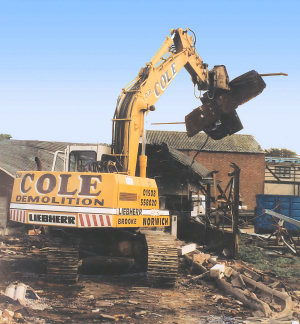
(208, 288)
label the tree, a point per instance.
(280, 152)
(5, 137)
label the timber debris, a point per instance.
(267, 297)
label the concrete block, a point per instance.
(174, 225)
(187, 249)
(217, 271)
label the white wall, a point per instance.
(281, 189)
(3, 213)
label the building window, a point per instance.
(283, 171)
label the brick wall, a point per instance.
(252, 171)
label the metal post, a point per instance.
(207, 210)
(217, 216)
(207, 204)
(174, 226)
(235, 208)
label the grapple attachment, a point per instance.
(217, 116)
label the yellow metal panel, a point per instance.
(84, 190)
(142, 221)
(145, 190)
(65, 189)
(132, 201)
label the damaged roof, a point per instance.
(236, 143)
(188, 162)
(166, 161)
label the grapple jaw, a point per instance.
(217, 116)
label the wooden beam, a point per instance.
(282, 217)
(273, 174)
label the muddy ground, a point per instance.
(123, 298)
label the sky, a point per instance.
(64, 63)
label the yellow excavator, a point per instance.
(98, 204)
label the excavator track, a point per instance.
(162, 258)
(62, 264)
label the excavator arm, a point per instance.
(138, 99)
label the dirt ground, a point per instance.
(127, 301)
(105, 298)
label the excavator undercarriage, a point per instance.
(152, 252)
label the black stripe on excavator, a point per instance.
(127, 196)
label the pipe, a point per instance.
(273, 74)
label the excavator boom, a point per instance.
(176, 52)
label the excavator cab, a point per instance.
(80, 157)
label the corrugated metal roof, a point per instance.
(237, 143)
(19, 155)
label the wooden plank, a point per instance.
(280, 216)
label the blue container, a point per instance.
(285, 205)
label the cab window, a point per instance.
(82, 161)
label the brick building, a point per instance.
(243, 150)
